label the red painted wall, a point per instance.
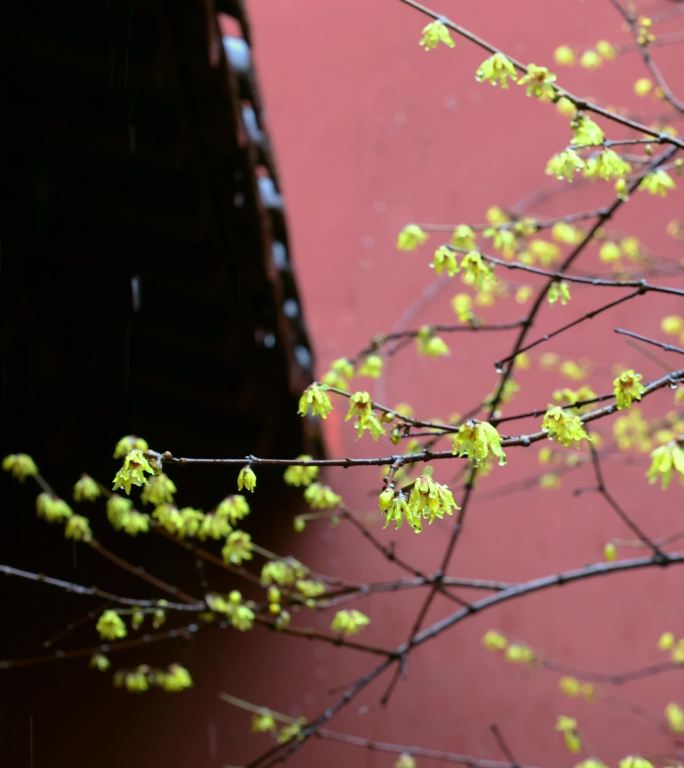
(372, 132)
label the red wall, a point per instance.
(371, 132)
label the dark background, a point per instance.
(139, 294)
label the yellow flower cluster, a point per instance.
(349, 622)
(428, 500)
(365, 418)
(627, 388)
(433, 34)
(564, 426)
(478, 440)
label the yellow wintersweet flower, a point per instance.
(398, 510)
(99, 662)
(133, 471)
(523, 294)
(241, 616)
(609, 252)
(504, 239)
(643, 86)
(631, 431)
(430, 344)
(547, 253)
(567, 396)
(666, 641)
(627, 388)
(477, 440)
(672, 324)
(658, 182)
(78, 528)
(21, 465)
(434, 33)
(238, 547)
(496, 215)
(591, 762)
(522, 361)
(564, 426)
(570, 686)
(282, 572)
(291, 732)
(462, 306)
(301, 475)
(213, 527)
(631, 248)
(429, 500)
(110, 626)
(634, 761)
(128, 444)
(677, 654)
(463, 237)
(497, 70)
(493, 640)
(176, 678)
(371, 366)
(566, 233)
(568, 727)
(564, 55)
(664, 460)
(319, 496)
(410, 237)
(52, 508)
(564, 165)
(247, 479)
(559, 290)
(159, 490)
(606, 49)
(621, 190)
(264, 722)
(539, 81)
(476, 272)
(310, 587)
(233, 508)
(316, 400)
(341, 370)
(405, 761)
(675, 717)
(349, 622)
(445, 260)
(361, 409)
(606, 165)
(526, 226)
(566, 107)
(573, 370)
(644, 38)
(590, 60)
(518, 653)
(585, 132)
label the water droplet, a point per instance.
(499, 368)
(290, 308)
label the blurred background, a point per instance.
(201, 211)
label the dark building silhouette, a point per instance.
(146, 287)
